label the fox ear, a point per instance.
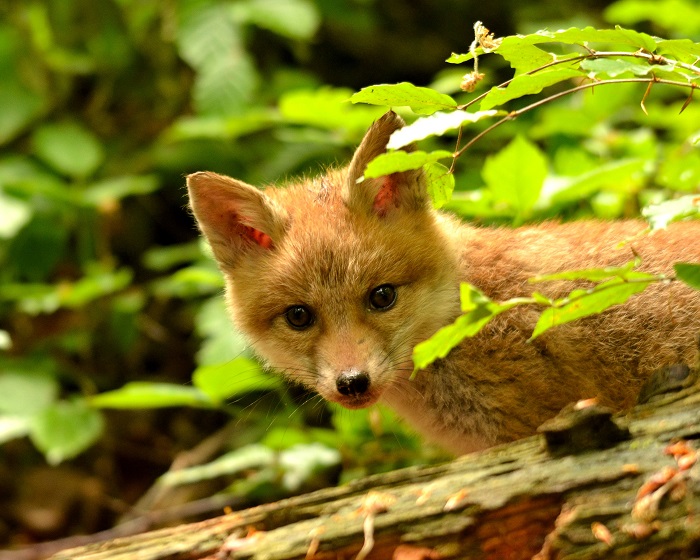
(234, 217)
(405, 189)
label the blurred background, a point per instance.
(109, 302)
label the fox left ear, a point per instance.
(236, 218)
(381, 195)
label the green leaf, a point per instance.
(117, 188)
(599, 68)
(527, 84)
(680, 171)
(457, 58)
(231, 379)
(688, 273)
(393, 162)
(225, 86)
(617, 36)
(584, 303)
(14, 214)
(683, 50)
(162, 258)
(516, 174)
(144, 394)
(434, 125)
(253, 456)
(576, 36)
(441, 183)
(423, 101)
(479, 311)
(681, 16)
(660, 215)
(13, 427)
(624, 272)
(296, 19)
(206, 33)
(327, 108)
(18, 108)
(96, 284)
(613, 174)
(191, 281)
(26, 388)
(221, 341)
(65, 429)
(524, 58)
(69, 148)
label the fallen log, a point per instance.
(590, 486)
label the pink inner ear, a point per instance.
(258, 237)
(387, 195)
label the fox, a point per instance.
(335, 279)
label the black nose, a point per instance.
(352, 383)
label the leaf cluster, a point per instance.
(517, 178)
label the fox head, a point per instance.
(334, 280)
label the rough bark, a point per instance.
(637, 498)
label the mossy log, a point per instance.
(632, 494)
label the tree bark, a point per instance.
(637, 497)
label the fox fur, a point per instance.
(327, 243)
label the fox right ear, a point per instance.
(234, 217)
(382, 195)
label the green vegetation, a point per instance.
(108, 299)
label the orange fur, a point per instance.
(327, 243)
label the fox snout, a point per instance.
(352, 383)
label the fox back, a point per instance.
(335, 280)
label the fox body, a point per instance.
(335, 280)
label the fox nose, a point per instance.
(352, 383)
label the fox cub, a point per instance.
(335, 280)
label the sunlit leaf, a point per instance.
(675, 15)
(624, 272)
(143, 394)
(615, 67)
(65, 429)
(231, 379)
(688, 273)
(516, 174)
(253, 456)
(13, 427)
(616, 173)
(479, 311)
(660, 215)
(440, 182)
(524, 58)
(434, 125)
(296, 19)
(327, 108)
(393, 162)
(584, 303)
(423, 101)
(26, 388)
(14, 214)
(681, 49)
(120, 187)
(221, 342)
(527, 84)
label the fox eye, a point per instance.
(299, 317)
(382, 297)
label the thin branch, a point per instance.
(514, 114)
(656, 59)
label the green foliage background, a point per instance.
(108, 300)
